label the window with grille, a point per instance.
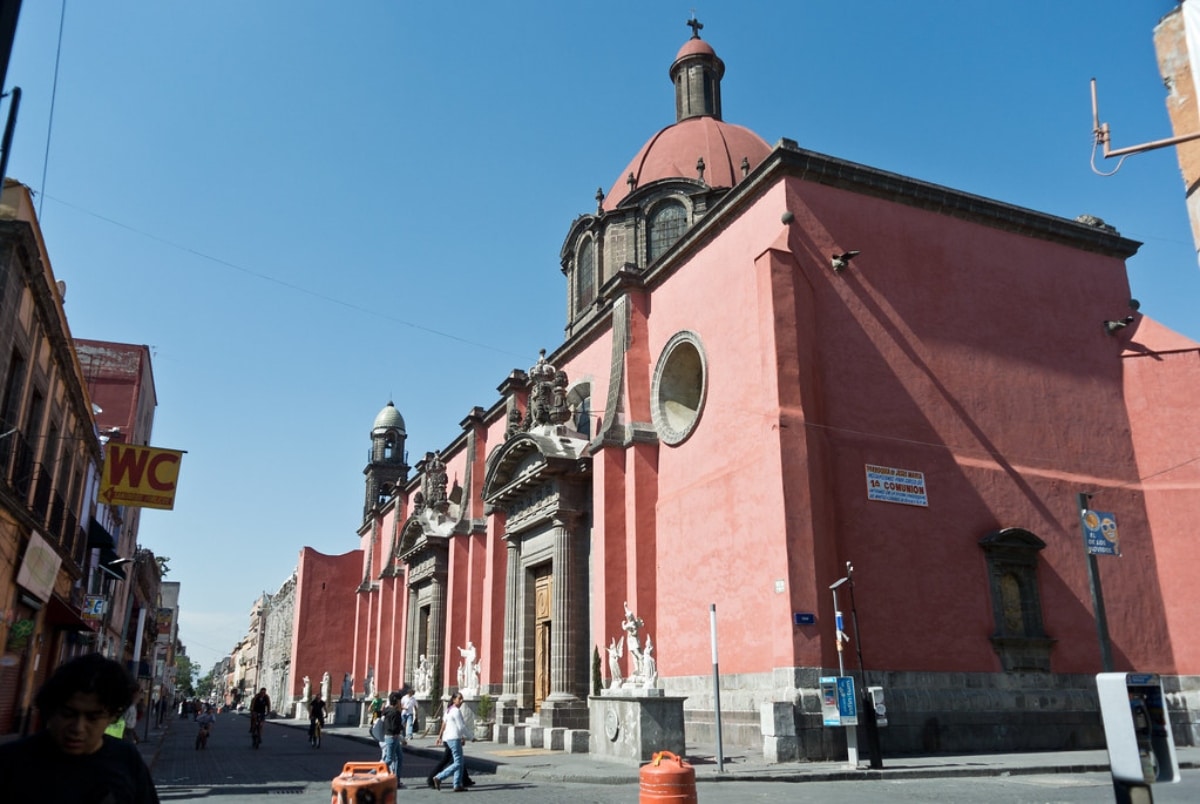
(667, 224)
(585, 275)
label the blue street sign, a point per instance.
(804, 618)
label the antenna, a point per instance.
(1102, 137)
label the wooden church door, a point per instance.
(543, 623)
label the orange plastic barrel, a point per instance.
(671, 781)
(364, 783)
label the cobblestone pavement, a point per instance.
(229, 771)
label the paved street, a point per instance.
(229, 771)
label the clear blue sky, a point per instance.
(308, 208)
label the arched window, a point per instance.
(667, 224)
(585, 275)
(579, 400)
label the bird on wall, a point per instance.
(841, 261)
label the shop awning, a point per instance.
(64, 616)
(107, 557)
(98, 536)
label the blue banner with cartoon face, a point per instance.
(1100, 532)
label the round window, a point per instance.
(679, 386)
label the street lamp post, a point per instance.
(134, 565)
(868, 706)
(864, 696)
(840, 638)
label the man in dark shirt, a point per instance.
(72, 759)
(393, 730)
(316, 712)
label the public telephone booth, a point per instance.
(1137, 729)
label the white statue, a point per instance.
(649, 666)
(468, 670)
(326, 686)
(631, 626)
(369, 684)
(644, 668)
(615, 649)
(423, 680)
(307, 693)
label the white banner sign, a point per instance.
(903, 486)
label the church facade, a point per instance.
(779, 364)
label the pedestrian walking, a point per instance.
(453, 733)
(408, 712)
(393, 730)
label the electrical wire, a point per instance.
(290, 285)
(1121, 161)
(62, 18)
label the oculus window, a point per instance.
(680, 384)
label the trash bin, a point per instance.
(671, 782)
(364, 783)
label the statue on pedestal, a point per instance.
(307, 693)
(423, 677)
(615, 649)
(468, 670)
(326, 686)
(649, 666)
(644, 668)
(347, 687)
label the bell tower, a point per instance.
(386, 467)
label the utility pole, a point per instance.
(10, 10)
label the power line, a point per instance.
(289, 285)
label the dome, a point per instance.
(695, 47)
(673, 151)
(698, 132)
(389, 418)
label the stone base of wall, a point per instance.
(1183, 702)
(928, 713)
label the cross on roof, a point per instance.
(695, 25)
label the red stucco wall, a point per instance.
(323, 630)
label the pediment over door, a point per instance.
(424, 546)
(536, 474)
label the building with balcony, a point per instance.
(50, 461)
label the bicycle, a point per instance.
(314, 732)
(256, 725)
(202, 736)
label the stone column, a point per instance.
(562, 638)
(437, 630)
(511, 696)
(412, 651)
(563, 706)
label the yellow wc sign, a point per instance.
(140, 476)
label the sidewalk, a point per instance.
(538, 764)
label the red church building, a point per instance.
(776, 363)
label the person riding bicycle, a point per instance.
(260, 705)
(376, 707)
(316, 712)
(205, 720)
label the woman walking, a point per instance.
(454, 731)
